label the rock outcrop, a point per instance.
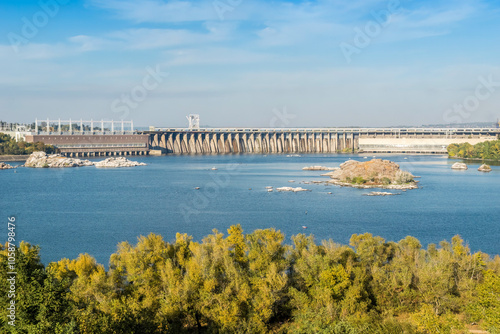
(376, 173)
(5, 166)
(42, 160)
(292, 189)
(118, 163)
(380, 193)
(318, 168)
(459, 165)
(484, 168)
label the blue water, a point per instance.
(89, 210)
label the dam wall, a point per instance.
(221, 142)
(312, 140)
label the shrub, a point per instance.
(386, 181)
(358, 180)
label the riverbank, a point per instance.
(4, 158)
(492, 162)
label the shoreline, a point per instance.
(492, 161)
(13, 158)
(406, 186)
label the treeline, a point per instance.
(255, 283)
(489, 150)
(9, 146)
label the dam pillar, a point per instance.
(229, 146)
(243, 143)
(237, 143)
(163, 143)
(259, 142)
(251, 143)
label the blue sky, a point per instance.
(251, 63)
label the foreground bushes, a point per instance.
(255, 283)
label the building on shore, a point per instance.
(17, 131)
(80, 138)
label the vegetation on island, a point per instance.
(487, 150)
(255, 283)
(9, 146)
(373, 173)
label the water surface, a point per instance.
(89, 210)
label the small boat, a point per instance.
(196, 188)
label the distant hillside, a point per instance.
(463, 125)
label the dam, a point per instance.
(91, 138)
(312, 140)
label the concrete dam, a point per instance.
(312, 140)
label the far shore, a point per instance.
(4, 158)
(493, 161)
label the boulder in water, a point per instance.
(291, 189)
(118, 163)
(484, 168)
(459, 165)
(5, 166)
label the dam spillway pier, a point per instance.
(312, 140)
(221, 141)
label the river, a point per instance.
(90, 210)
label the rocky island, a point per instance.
(381, 193)
(291, 189)
(5, 166)
(484, 168)
(118, 163)
(316, 168)
(42, 160)
(376, 173)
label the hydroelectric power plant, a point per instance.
(312, 140)
(111, 138)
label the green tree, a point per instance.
(41, 302)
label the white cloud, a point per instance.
(298, 41)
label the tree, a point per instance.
(486, 306)
(41, 302)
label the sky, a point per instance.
(242, 63)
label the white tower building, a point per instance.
(194, 121)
